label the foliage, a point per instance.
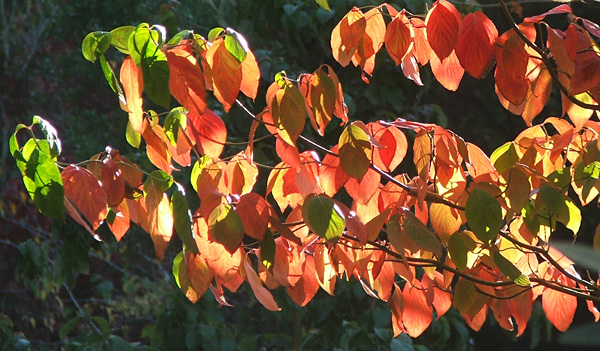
(467, 230)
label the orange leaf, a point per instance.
(199, 275)
(322, 97)
(393, 146)
(396, 305)
(120, 224)
(307, 286)
(448, 72)
(479, 165)
(112, 182)
(475, 46)
(288, 154)
(262, 294)
(159, 220)
(86, 194)
(209, 132)
(253, 210)
(398, 37)
(371, 42)
(331, 175)
(186, 80)
(422, 50)
(346, 35)
(156, 147)
(443, 24)
(417, 313)
(224, 73)
(133, 84)
(225, 265)
(364, 190)
(511, 69)
(520, 308)
(250, 76)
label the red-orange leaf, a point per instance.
(393, 146)
(120, 224)
(186, 80)
(262, 294)
(250, 76)
(209, 132)
(253, 210)
(133, 85)
(511, 69)
(559, 308)
(307, 286)
(448, 72)
(84, 191)
(331, 175)
(443, 25)
(422, 50)
(417, 313)
(475, 46)
(398, 37)
(371, 42)
(289, 154)
(198, 273)
(346, 35)
(224, 72)
(112, 182)
(156, 147)
(564, 8)
(362, 191)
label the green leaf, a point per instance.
(95, 44)
(156, 76)
(509, 269)
(459, 246)
(504, 157)
(176, 265)
(561, 207)
(324, 4)
(183, 219)
(175, 119)
(42, 178)
(50, 134)
(226, 227)
(267, 250)
(160, 179)
(484, 215)
(323, 217)
(67, 327)
(561, 178)
(215, 33)
(354, 151)
(13, 144)
(138, 42)
(177, 38)
(120, 38)
(394, 234)
(133, 138)
(236, 44)
(421, 235)
(111, 78)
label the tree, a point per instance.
(467, 230)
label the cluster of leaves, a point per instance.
(468, 230)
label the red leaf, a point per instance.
(112, 182)
(393, 146)
(253, 210)
(443, 24)
(448, 72)
(511, 69)
(564, 8)
(475, 47)
(224, 72)
(186, 80)
(417, 313)
(288, 154)
(133, 84)
(84, 191)
(398, 37)
(520, 308)
(209, 132)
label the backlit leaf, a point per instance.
(559, 308)
(224, 72)
(112, 182)
(236, 44)
(509, 269)
(286, 105)
(443, 25)
(323, 217)
(119, 37)
(561, 207)
(95, 44)
(159, 217)
(253, 211)
(398, 37)
(448, 72)
(262, 294)
(208, 132)
(484, 215)
(186, 80)
(346, 36)
(420, 234)
(475, 46)
(417, 313)
(133, 85)
(182, 219)
(226, 227)
(86, 194)
(354, 151)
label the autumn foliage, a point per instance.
(466, 230)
